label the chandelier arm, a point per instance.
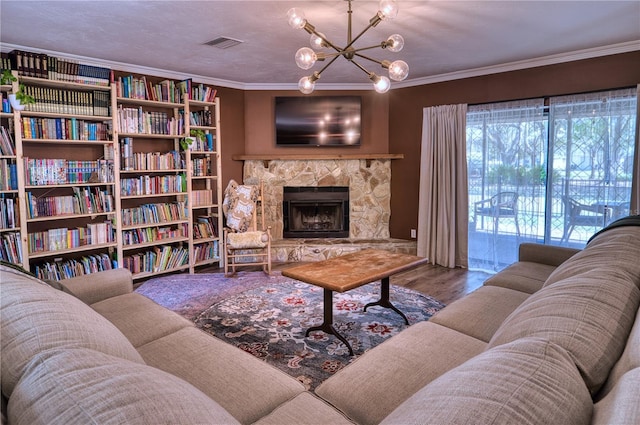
(313, 31)
(360, 66)
(328, 63)
(367, 28)
(367, 48)
(368, 58)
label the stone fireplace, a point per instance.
(368, 186)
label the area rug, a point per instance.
(268, 316)
(190, 294)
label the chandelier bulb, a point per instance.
(394, 43)
(317, 41)
(388, 9)
(380, 83)
(306, 85)
(296, 18)
(306, 57)
(398, 70)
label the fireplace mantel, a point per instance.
(320, 157)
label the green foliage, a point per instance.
(195, 133)
(24, 99)
(7, 77)
(508, 174)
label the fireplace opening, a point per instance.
(315, 212)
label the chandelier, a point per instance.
(307, 57)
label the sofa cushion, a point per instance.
(522, 276)
(35, 318)
(589, 316)
(529, 381)
(596, 257)
(373, 385)
(140, 319)
(94, 287)
(622, 403)
(630, 359)
(480, 313)
(244, 385)
(304, 409)
(81, 386)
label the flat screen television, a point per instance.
(318, 120)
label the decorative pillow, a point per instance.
(238, 205)
(528, 381)
(36, 318)
(81, 386)
(247, 240)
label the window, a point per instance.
(551, 175)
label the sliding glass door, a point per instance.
(552, 175)
(592, 139)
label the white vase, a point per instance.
(15, 103)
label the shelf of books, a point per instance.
(95, 173)
(153, 194)
(205, 186)
(10, 229)
(67, 178)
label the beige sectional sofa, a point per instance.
(544, 341)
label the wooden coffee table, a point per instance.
(351, 271)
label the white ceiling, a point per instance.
(444, 39)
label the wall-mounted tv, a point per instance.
(318, 120)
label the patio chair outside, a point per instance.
(499, 206)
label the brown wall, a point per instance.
(260, 131)
(405, 112)
(231, 132)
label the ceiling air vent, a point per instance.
(223, 42)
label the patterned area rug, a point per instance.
(268, 317)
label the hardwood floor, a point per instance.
(444, 284)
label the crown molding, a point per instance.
(128, 67)
(594, 52)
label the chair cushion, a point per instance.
(238, 205)
(247, 240)
(81, 386)
(528, 381)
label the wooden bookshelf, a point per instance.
(204, 183)
(113, 160)
(11, 228)
(66, 179)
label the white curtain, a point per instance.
(443, 204)
(635, 194)
(594, 139)
(506, 153)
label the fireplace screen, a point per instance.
(316, 212)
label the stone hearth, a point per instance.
(369, 182)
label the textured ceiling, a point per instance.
(443, 38)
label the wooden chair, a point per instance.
(502, 205)
(245, 243)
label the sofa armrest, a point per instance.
(99, 286)
(545, 254)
